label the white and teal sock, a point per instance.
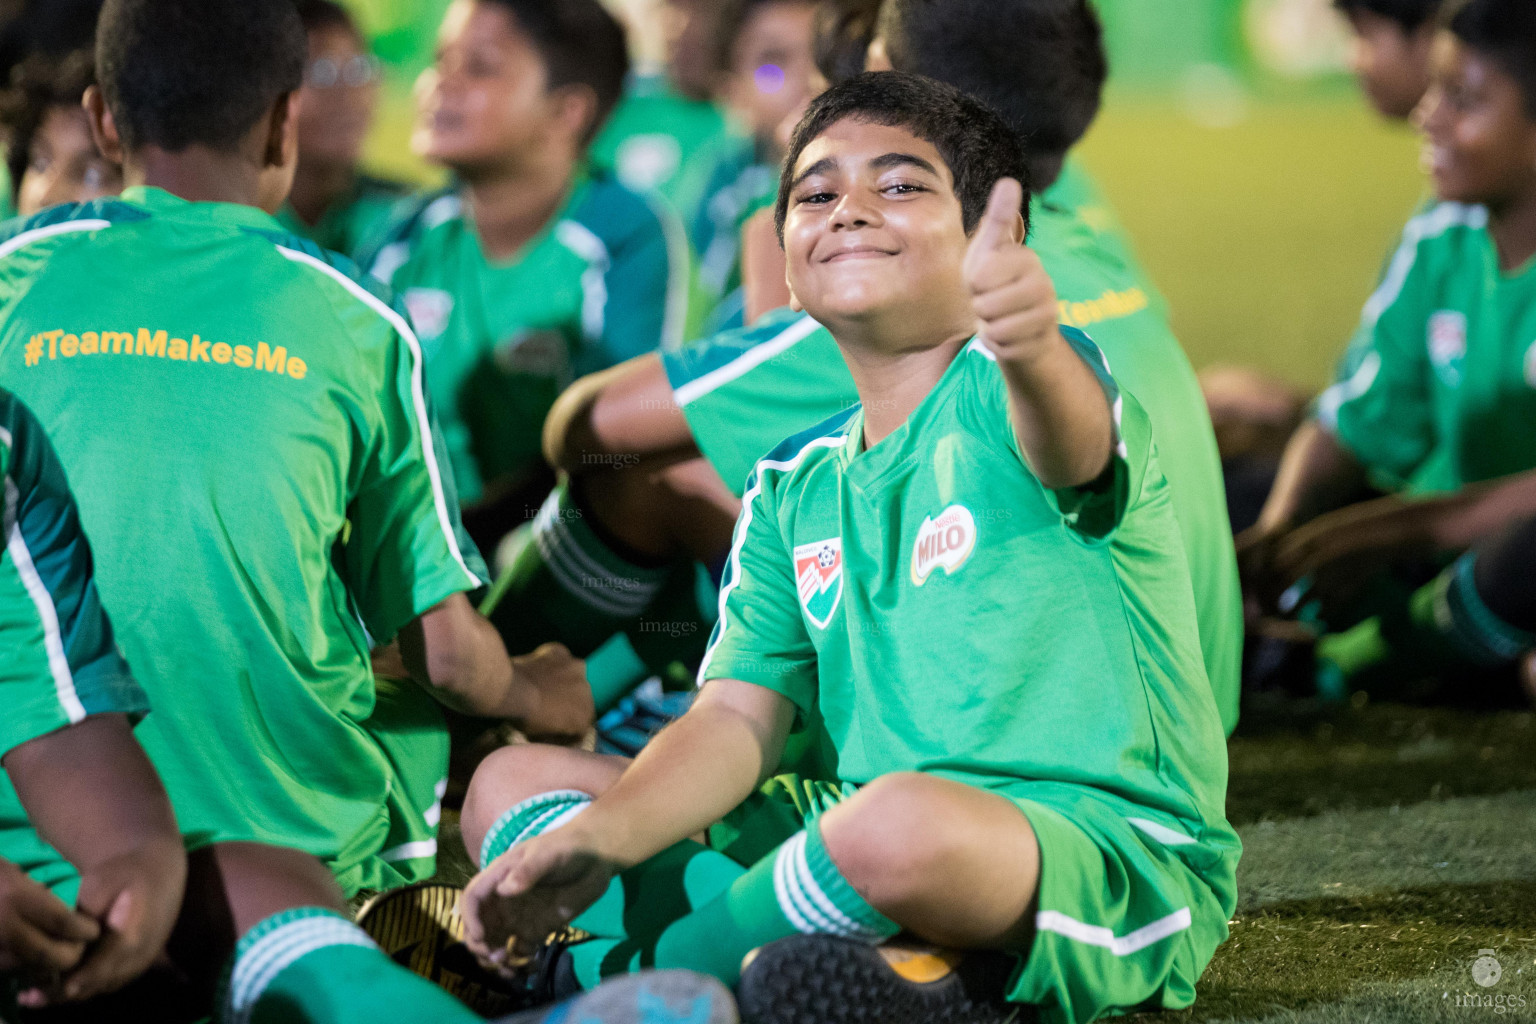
(567, 583)
(310, 965)
(796, 890)
(637, 906)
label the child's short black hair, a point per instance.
(317, 15)
(844, 30)
(1410, 14)
(38, 85)
(179, 73)
(580, 44)
(1038, 63)
(973, 140)
(1504, 30)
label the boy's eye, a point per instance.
(818, 197)
(902, 188)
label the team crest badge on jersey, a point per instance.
(1448, 344)
(430, 309)
(819, 578)
(946, 541)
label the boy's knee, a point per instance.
(511, 775)
(893, 836)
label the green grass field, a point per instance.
(1266, 236)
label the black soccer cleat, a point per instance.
(822, 979)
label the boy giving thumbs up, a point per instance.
(974, 580)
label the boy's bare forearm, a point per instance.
(692, 774)
(91, 792)
(1316, 475)
(1060, 414)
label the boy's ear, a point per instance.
(281, 146)
(576, 109)
(794, 300)
(103, 127)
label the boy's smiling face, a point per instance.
(486, 99)
(1479, 139)
(874, 234)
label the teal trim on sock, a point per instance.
(587, 568)
(871, 924)
(275, 944)
(533, 817)
(1474, 625)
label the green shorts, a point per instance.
(1130, 909)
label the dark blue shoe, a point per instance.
(652, 997)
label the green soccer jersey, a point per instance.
(606, 280)
(1439, 383)
(659, 141)
(745, 392)
(942, 612)
(58, 659)
(247, 433)
(353, 219)
(1074, 189)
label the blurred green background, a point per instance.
(1261, 191)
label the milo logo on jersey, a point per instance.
(819, 578)
(946, 540)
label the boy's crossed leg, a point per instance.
(885, 858)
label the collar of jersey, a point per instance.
(159, 201)
(868, 468)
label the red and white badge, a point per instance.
(819, 578)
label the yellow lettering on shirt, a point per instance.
(151, 345)
(1112, 305)
(273, 360)
(157, 343)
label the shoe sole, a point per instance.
(419, 928)
(820, 979)
(655, 997)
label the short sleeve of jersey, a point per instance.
(760, 637)
(59, 662)
(1381, 406)
(406, 550)
(644, 278)
(1095, 511)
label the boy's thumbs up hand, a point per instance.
(1014, 300)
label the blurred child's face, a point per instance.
(64, 165)
(485, 102)
(691, 27)
(1479, 140)
(773, 67)
(337, 102)
(874, 231)
(1392, 65)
